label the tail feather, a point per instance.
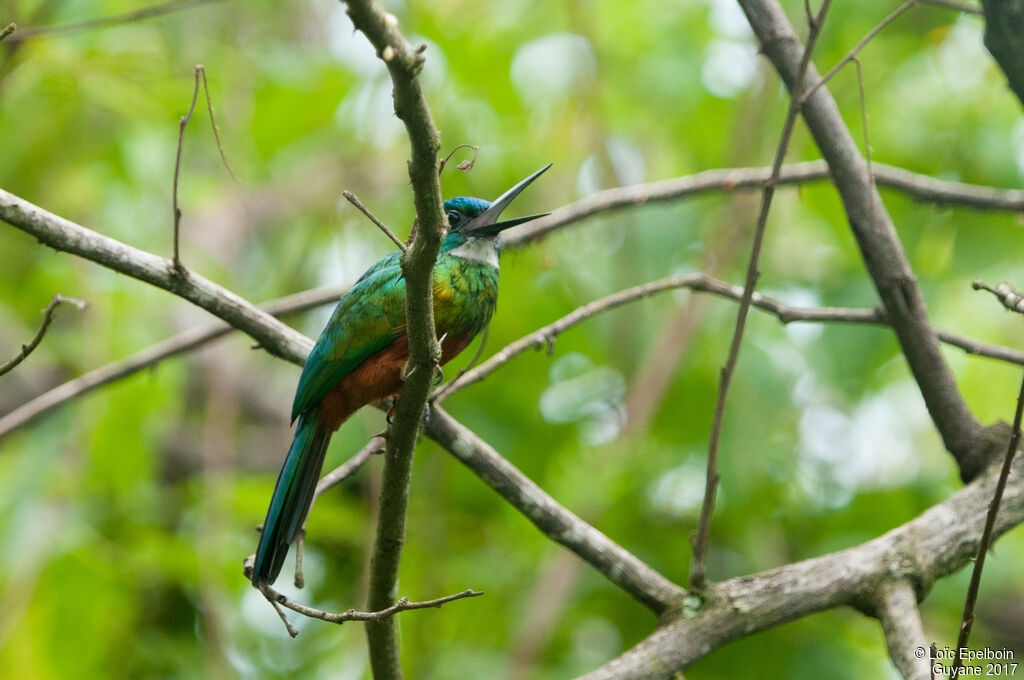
(292, 497)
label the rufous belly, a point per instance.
(378, 377)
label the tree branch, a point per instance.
(48, 315)
(699, 538)
(30, 32)
(348, 468)
(559, 524)
(401, 605)
(879, 244)
(896, 609)
(404, 64)
(62, 234)
(922, 187)
(933, 545)
(196, 337)
(967, 621)
(185, 341)
(852, 54)
(699, 283)
(1009, 296)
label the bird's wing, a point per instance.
(369, 318)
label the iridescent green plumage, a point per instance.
(360, 354)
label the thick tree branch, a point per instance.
(921, 187)
(62, 234)
(557, 523)
(935, 544)
(879, 244)
(404, 64)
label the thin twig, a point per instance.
(350, 466)
(864, 119)
(697, 282)
(103, 22)
(877, 239)
(1009, 296)
(852, 54)
(967, 621)
(182, 123)
(292, 630)
(48, 314)
(354, 200)
(213, 124)
(478, 353)
(464, 166)
(7, 30)
(700, 539)
(403, 604)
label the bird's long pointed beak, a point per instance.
(487, 224)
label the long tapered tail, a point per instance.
(292, 497)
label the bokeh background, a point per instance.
(124, 516)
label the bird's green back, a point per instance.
(372, 315)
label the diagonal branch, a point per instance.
(698, 283)
(876, 236)
(921, 187)
(62, 234)
(559, 524)
(935, 544)
(31, 32)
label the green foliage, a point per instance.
(125, 515)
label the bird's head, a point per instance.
(474, 219)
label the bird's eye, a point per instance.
(454, 218)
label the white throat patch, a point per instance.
(479, 249)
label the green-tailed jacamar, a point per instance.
(359, 357)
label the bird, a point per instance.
(361, 354)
